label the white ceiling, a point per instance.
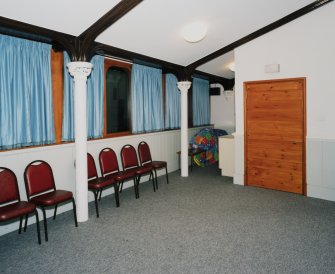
(153, 27)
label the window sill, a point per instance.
(109, 136)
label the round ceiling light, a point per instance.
(194, 32)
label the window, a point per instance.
(200, 102)
(95, 101)
(117, 98)
(147, 103)
(172, 101)
(117, 86)
(26, 111)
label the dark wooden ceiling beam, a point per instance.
(19, 29)
(86, 39)
(79, 48)
(166, 67)
(115, 52)
(32, 32)
(228, 84)
(62, 41)
(292, 16)
(121, 9)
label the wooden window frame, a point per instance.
(190, 107)
(109, 63)
(57, 78)
(57, 74)
(164, 98)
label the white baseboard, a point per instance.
(321, 192)
(239, 179)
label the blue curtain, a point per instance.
(172, 102)
(95, 98)
(95, 103)
(146, 99)
(26, 110)
(200, 102)
(68, 103)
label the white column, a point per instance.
(80, 71)
(184, 87)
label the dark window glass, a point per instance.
(117, 92)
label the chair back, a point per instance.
(144, 153)
(108, 161)
(38, 178)
(91, 168)
(128, 157)
(9, 190)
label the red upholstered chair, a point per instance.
(145, 160)
(130, 162)
(110, 168)
(41, 190)
(14, 207)
(97, 184)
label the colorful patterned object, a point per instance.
(207, 139)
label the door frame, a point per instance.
(300, 79)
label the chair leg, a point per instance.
(167, 176)
(100, 195)
(74, 212)
(116, 193)
(136, 188)
(155, 179)
(38, 227)
(121, 187)
(45, 224)
(138, 185)
(25, 224)
(20, 225)
(55, 212)
(96, 193)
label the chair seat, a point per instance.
(52, 198)
(122, 175)
(156, 164)
(16, 210)
(100, 183)
(142, 169)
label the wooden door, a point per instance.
(275, 130)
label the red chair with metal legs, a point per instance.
(130, 163)
(14, 208)
(145, 160)
(97, 184)
(41, 190)
(110, 168)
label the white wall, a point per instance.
(223, 110)
(302, 48)
(163, 146)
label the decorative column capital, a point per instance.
(80, 70)
(184, 86)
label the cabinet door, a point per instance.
(226, 156)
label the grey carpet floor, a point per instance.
(199, 224)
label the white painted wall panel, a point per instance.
(163, 146)
(239, 159)
(320, 168)
(328, 163)
(302, 48)
(223, 111)
(314, 163)
(60, 158)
